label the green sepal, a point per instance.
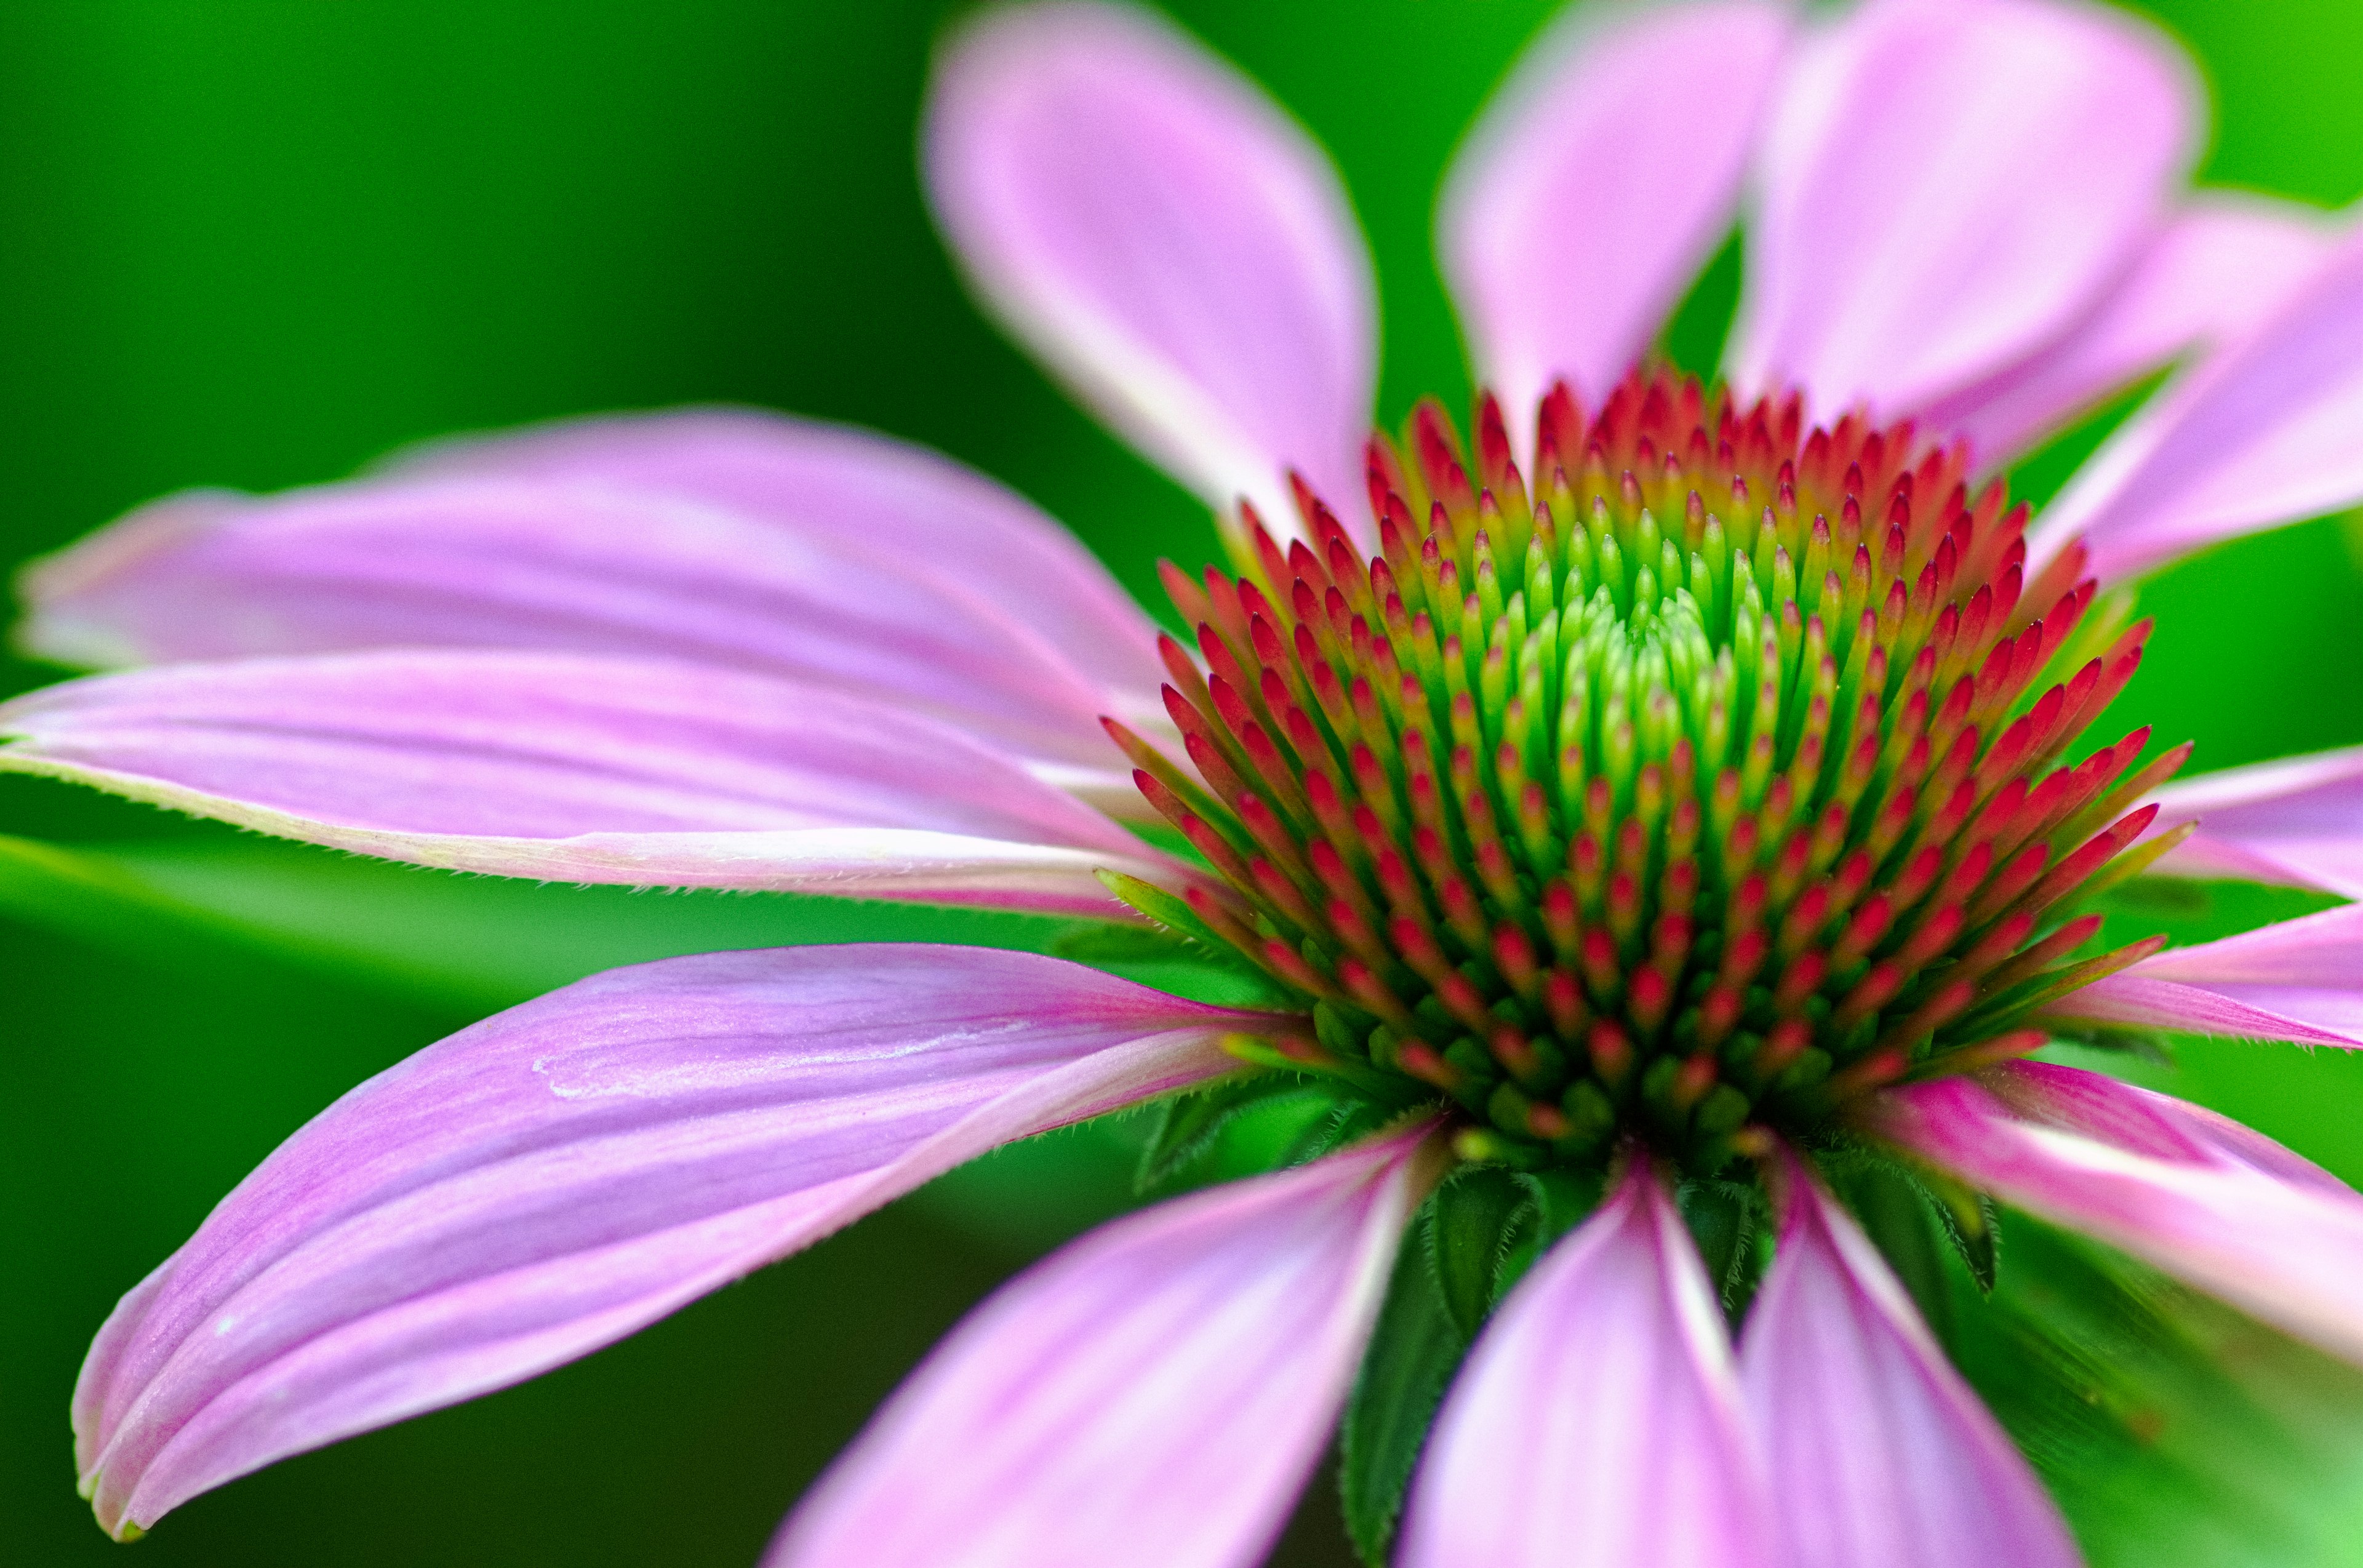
(1563, 1198)
(1474, 1220)
(1902, 1220)
(1102, 942)
(1413, 1354)
(1187, 1125)
(1724, 1222)
(1968, 1221)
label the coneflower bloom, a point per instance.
(1644, 813)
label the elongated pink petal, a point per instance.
(573, 562)
(2230, 1212)
(564, 1172)
(2214, 273)
(1947, 186)
(577, 767)
(1878, 1453)
(1598, 183)
(1168, 242)
(903, 507)
(1598, 1420)
(2260, 434)
(2294, 822)
(1157, 1391)
(2300, 980)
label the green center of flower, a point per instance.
(1709, 782)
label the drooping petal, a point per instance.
(1947, 186)
(573, 562)
(2260, 434)
(2299, 980)
(563, 1173)
(1877, 1453)
(1168, 242)
(911, 509)
(2211, 276)
(1157, 1391)
(1598, 183)
(1598, 1420)
(2296, 822)
(576, 767)
(2228, 1211)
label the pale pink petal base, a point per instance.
(1168, 242)
(1878, 1454)
(2300, 980)
(1597, 183)
(2201, 1198)
(1157, 1392)
(568, 1172)
(2215, 273)
(2296, 822)
(1947, 187)
(575, 768)
(1598, 1420)
(2260, 435)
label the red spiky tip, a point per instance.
(1710, 781)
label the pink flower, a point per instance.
(1645, 833)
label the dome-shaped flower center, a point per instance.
(1710, 781)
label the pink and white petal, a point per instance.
(2260, 434)
(1877, 1453)
(1946, 186)
(1598, 183)
(573, 564)
(1165, 1385)
(1599, 1420)
(2296, 822)
(2299, 980)
(905, 508)
(577, 767)
(553, 1178)
(1168, 242)
(2212, 275)
(2156, 1178)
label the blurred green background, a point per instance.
(256, 242)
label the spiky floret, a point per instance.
(1710, 782)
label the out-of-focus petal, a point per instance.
(2260, 434)
(1947, 186)
(563, 1173)
(1157, 1392)
(903, 507)
(1598, 1420)
(2300, 980)
(2230, 1212)
(1877, 1452)
(1599, 182)
(575, 768)
(2213, 274)
(577, 565)
(2294, 822)
(1177, 250)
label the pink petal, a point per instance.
(1597, 184)
(1146, 220)
(2300, 980)
(1947, 186)
(2211, 276)
(2297, 822)
(900, 506)
(575, 768)
(2260, 434)
(2231, 1213)
(1878, 1453)
(564, 1172)
(1598, 1420)
(1157, 1392)
(573, 562)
